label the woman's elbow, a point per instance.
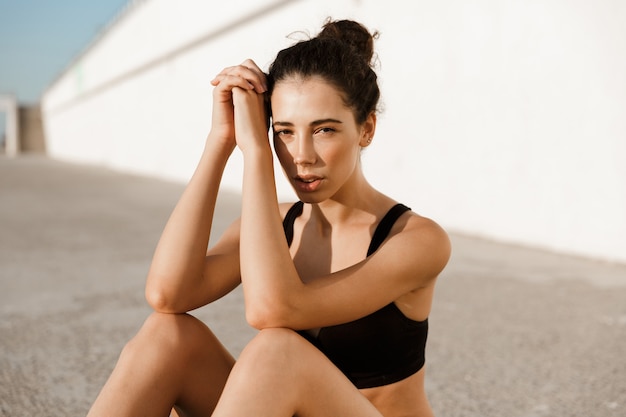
(159, 300)
(266, 316)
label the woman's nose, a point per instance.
(305, 152)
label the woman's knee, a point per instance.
(170, 336)
(279, 345)
(278, 337)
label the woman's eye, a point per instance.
(325, 130)
(281, 133)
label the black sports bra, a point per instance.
(381, 348)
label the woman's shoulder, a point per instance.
(424, 227)
(416, 220)
(425, 235)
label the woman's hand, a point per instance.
(248, 77)
(251, 120)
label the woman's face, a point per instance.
(316, 137)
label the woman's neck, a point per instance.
(358, 206)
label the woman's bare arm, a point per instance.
(176, 280)
(183, 274)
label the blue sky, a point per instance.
(39, 38)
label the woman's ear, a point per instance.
(368, 129)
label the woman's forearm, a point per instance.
(267, 270)
(179, 258)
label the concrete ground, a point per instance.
(515, 332)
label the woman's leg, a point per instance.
(281, 374)
(173, 360)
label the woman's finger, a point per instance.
(230, 81)
(228, 70)
(252, 66)
(251, 73)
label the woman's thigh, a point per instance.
(281, 374)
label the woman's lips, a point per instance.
(307, 183)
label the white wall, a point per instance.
(503, 119)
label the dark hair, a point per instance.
(341, 54)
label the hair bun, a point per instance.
(353, 33)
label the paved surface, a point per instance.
(515, 332)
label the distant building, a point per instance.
(21, 129)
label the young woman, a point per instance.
(339, 284)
